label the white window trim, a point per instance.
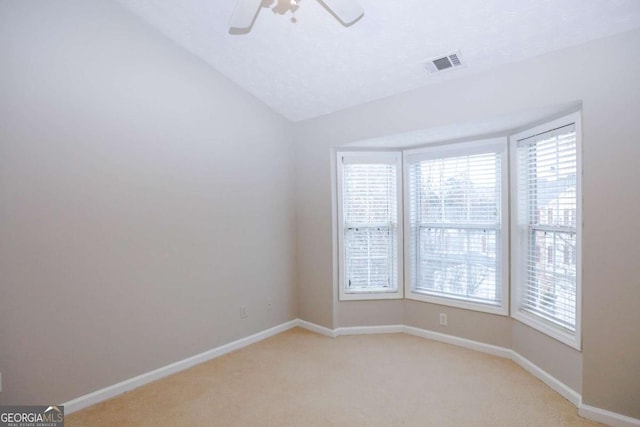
(391, 157)
(573, 340)
(464, 149)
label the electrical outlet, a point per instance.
(443, 319)
(243, 312)
(269, 305)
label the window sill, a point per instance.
(549, 329)
(459, 303)
(370, 295)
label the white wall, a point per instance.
(603, 75)
(143, 199)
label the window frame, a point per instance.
(518, 255)
(386, 157)
(482, 146)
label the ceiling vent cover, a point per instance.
(449, 62)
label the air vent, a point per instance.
(444, 63)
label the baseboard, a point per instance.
(586, 411)
(135, 382)
(315, 328)
(460, 342)
(607, 417)
(554, 383)
(365, 330)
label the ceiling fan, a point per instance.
(347, 11)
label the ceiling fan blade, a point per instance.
(347, 11)
(244, 13)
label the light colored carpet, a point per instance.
(299, 378)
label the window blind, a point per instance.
(370, 226)
(455, 225)
(547, 205)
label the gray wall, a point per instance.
(143, 199)
(607, 372)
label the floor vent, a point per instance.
(449, 62)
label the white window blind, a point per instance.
(455, 216)
(547, 218)
(369, 193)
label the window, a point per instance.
(546, 178)
(455, 243)
(454, 231)
(369, 227)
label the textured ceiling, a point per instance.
(317, 66)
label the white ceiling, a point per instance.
(317, 66)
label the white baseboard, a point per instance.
(554, 383)
(610, 418)
(366, 330)
(135, 382)
(586, 411)
(315, 328)
(460, 342)
(589, 412)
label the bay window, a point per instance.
(489, 225)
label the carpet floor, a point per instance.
(299, 378)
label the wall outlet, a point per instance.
(243, 312)
(269, 305)
(443, 319)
